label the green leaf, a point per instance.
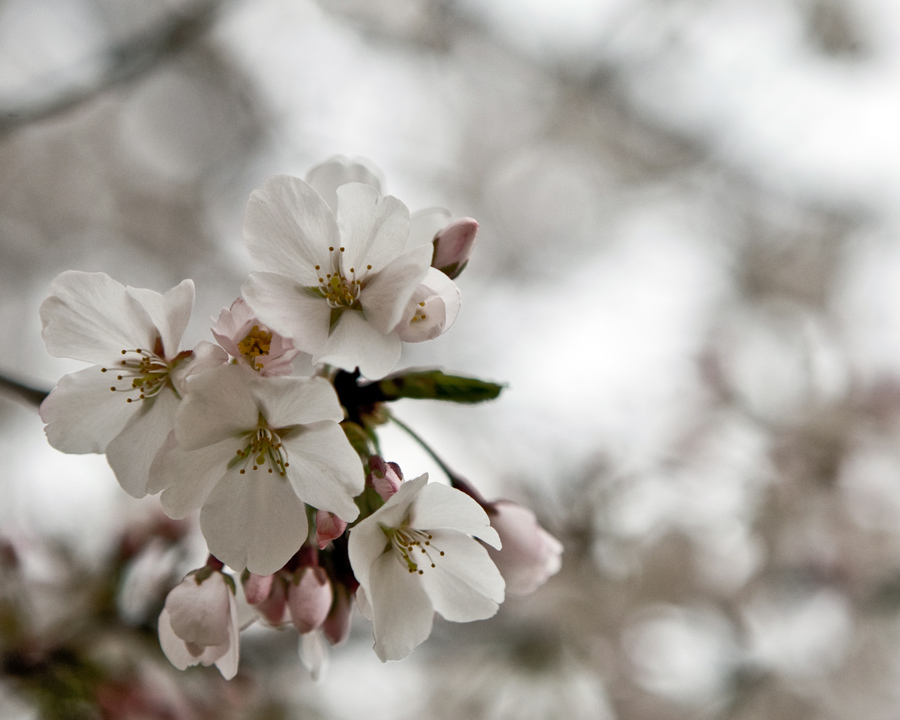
(435, 385)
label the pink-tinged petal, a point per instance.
(324, 469)
(82, 414)
(199, 613)
(402, 614)
(257, 588)
(170, 313)
(439, 506)
(205, 356)
(373, 228)
(253, 520)
(296, 401)
(367, 541)
(289, 309)
(530, 554)
(453, 246)
(328, 527)
(218, 405)
(328, 176)
(309, 599)
(91, 317)
(432, 309)
(131, 453)
(228, 662)
(173, 646)
(288, 229)
(465, 584)
(188, 477)
(313, 654)
(425, 224)
(385, 297)
(354, 342)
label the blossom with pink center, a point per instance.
(530, 555)
(244, 337)
(199, 624)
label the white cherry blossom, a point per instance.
(337, 283)
(252, 344)
(251, 451)
(416, 555)
(124, 403)
(200, 625)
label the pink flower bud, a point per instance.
(385, 476)
(453, 246)
(529, 554)
(274, 607)
(309, 598)
(337, 625)
(257, 588)
(328, 527)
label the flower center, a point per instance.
(256, 343)
(339, 288)
(409, 545)
(263, 448)
(143, 372)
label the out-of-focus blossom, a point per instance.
(337, 625)
(237, 439)
(313, 654)
(328, 527)
(337, 284)
(199, 624)
(416, 555)
(328, 176)
(251, 343)
(125, 403)
(309, 598)
(453, 246)
(530, 555)
(385, 477)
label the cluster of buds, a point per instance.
(284, 469)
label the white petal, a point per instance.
(189, 476)
(354, 342)
(465, 584)
(328, 176)
(218, 405)
(440, 300)
(402, 614)
(130, 454)
(362, 602)
(253, 520)
(440, 506)
(170, 313)
(286, 401)
(173, 646)
(385, 297)
(424, 225)
(91, 317)
(206, 356)
(288, 229)
(228, 662)
(314, 654)
(286, 307)
(373, 228)
(324, 469)
(81, 413)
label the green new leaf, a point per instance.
(435, 385)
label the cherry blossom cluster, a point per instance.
(302, 516)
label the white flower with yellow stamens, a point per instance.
(337, 283)
(251, 343)
(416, 555)
(250, 451)
(124, 404)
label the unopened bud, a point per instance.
(328, 527)
(337, 625)
(273, 608)
(309, 598)
(257, 587)
(453, 246)
(385, 476)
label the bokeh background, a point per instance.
(688, 273)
